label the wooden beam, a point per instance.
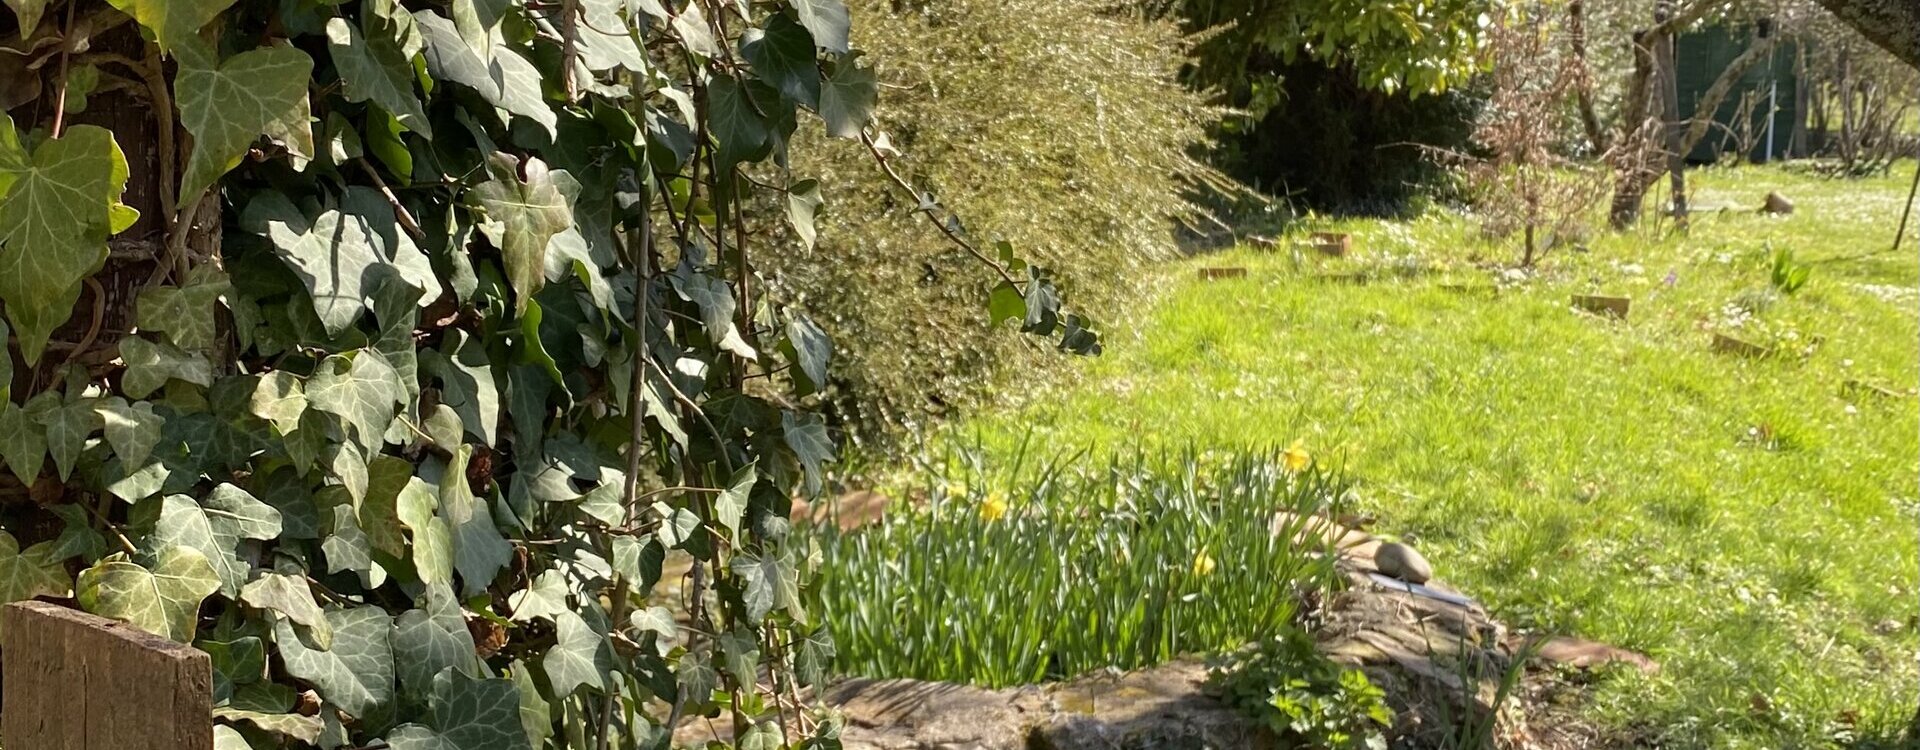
(74, 681)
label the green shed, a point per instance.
(1770, 87)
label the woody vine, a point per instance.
(383, 350)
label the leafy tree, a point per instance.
(383, 351)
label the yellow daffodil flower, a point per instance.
(1295, 457)
(1203, 564)
(993, 508)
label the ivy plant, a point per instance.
(412, 340)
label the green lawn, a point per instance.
(1751, 524)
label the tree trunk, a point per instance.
(1583, 78)
(1892, 24)
(1666, 62)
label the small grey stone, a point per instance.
(1777, 204)
(1402, 562)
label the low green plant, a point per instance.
(1786, 274)
(1286, 684)
(1043, 571)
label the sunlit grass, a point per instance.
(1750, 523)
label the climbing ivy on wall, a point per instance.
(383, 350)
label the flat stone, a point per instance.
(1580, 653)
(1403, 562)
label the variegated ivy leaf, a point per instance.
(357, 673)
(164, 600)
(227, 105)
(827, 20)
(479, 551)
(362, 389)
(848, 97)
(523, 215)
(29, 12)
(536, 715)
(434, 638)
(150, 364)
(332, 252)
(186, 312)
(467, 382)
(214, 527)
(37, 571)
(132, 429)
(279, 397)
(292, 597)
(67, 427)
(545, 598)
(172, 21)
(807, 435)
(810, 350)
(57, 208)
(579, 655)
(493, 68)
(715, 299)
(466, 714)
(432, 539)
(225, 738)
(23, 441)
(390, 479)
(373, 66)
(241, 661)
(286, 726)
(78, 537)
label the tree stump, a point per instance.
(74, 681)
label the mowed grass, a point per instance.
(1749, 523)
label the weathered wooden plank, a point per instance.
(73, 681)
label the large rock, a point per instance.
(1396, 560)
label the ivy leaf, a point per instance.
(345, 545)
(803, 204)
(434, 639)
(29, 12)
(806, 434)
(545, 599)
(185, 313)
(769, 581)
(77, 537)
(579, 655)
(23, 442)
(731, 504)
(388, 478)
(226, 738)
(150, 364)
(467, 383)
(827, 20)
(286, 726)
(737, 123)
(715, 299)
(132, 429)
(228, 105)
(522, 216)
(848, 98)
(332, 253)
(171, 21)
(432, 540)
(360, 388)
(782, 53)
(164, 601)
(54, 221)
(288, 493)
(763, 736)
(1005, 303)
(498, 72)
(241, 661)
(292, 597)
(811, 350)
(479, 552)
(67, 427)
(357, 673)
(280, 398)
(214, 529)
(536, 716)
(375, 67)
(467, 713)
(38, 571)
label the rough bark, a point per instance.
(1892, 24)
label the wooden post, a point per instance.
(1674, 125)
(74, 681)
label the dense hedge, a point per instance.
(1047, 123)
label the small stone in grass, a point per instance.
(1777, 205)
(1402, 562)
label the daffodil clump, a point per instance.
(1047, 571)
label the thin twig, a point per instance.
(66, 51)
(920, 199)
(399, 211)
